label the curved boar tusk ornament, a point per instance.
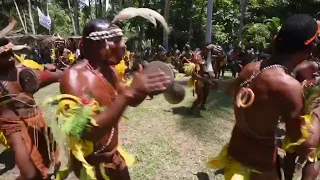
(148, 14)
(244, 97)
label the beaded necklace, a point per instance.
(107, 87)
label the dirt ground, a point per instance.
(168, 142)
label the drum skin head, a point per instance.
(174, 93)
(155, 66)
(29, 81)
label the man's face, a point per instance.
(113, 50)
(60, 47)
(6, 59)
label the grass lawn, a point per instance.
(169, 143)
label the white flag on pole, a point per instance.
(44, 20)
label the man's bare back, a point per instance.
(255, 125)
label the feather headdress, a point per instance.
(8, 28)
(146, 13)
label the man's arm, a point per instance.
(142, 84)
(197, 76)
(291, 103)
(47, 77)
(105, 120)
(306, 70)
(32, 80)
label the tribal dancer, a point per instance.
(200, 80)
(22, 125)
(307, 70)
(265, 91)
(175, 54)
(305, 168)
(92, 132)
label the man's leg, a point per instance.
(116, 174)
(223, 70)
(27, 169)
(205, 92)
(289, 165)
(311, 171)
(199, 93)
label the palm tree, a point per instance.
(273, 25)
(20, 17)
(71, 17)
(31, 17)
(76, 17)
(243, 6)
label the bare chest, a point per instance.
(101, 89)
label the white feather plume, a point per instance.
(146, 13)
(8, 28)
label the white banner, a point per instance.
(44, 20)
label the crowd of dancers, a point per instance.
(283, 87)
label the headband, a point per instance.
(104, 35)
(315, 37)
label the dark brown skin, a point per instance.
(9, 72)
(217, 57)
(80, 81)
(161, 56)
(218, 68)
(306, 70)
(176, 54)
(185, 57)
(261, 118)
(203, 83)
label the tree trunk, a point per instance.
(113, 4)
(96, 8)
(25, 19)
(22, 23)
(208, 34)
(72, 17)
(243, 6)
(190, 23)
(141, 29)
(76, 17)
(31, 17)
(46, 11)
(100, 9)
(89, 1)
(166, 17)
(120, 4)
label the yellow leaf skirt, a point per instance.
(233, 170)
(289, 146)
